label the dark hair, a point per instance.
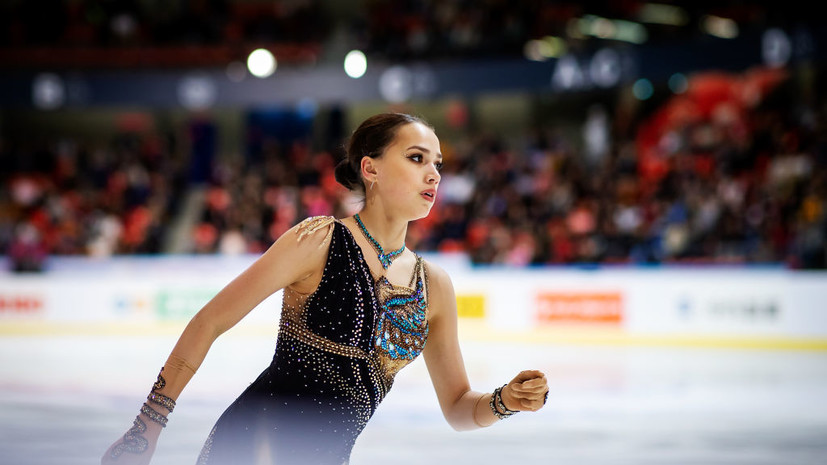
(370, 140)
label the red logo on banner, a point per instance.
(20, 304)
(580, 307)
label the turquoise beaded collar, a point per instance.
(384, 258)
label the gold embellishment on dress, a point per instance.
(402, 328)
(300, 332)
(293, 325)
(313, 224)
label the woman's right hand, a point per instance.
(136, 446)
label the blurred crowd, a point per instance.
(61, 197)
(434, 29)
(720, 174)
(393, 29)
(123, 23)
(729, 172)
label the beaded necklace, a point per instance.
(384, 258)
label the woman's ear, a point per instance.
(369, 169)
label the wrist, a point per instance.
(497, 406)
(153, 429)
(509, 401)
(156, 409)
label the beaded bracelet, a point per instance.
(492, 403)
(162, 400)
(497, 401)
(154, 415)
(159, 399)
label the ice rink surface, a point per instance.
(64, 398)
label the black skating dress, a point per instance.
(337, 352)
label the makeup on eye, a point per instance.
(418, 157)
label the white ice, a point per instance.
(65, 399)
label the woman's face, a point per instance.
(407, 174)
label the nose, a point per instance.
(433, 176)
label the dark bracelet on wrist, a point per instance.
(498, 408)
(501, 404)
(154, 415)
(162, 400)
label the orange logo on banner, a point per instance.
(580, 307)
(20, 304)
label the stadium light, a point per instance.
(776, 47)
(396, 84)
(543, 49)
(657, 13)
(261, 63)
(197, 91)
(717, 26)
(356, 63)
(48, 91)
(604, 28)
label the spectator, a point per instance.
(722, 185)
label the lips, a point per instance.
(429, 194)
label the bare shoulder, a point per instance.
(437, 277)
(441, 296)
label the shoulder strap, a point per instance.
(417, 271)
(421, 272)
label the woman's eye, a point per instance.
(417, 158)
(438, 165)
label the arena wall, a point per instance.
(764, 307)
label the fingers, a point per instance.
(531, 405)
(529, 382)
(526, 375)
(528, 390)
(518, 401)
(533, 386)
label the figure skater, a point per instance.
(358, 306)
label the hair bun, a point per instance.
(347, 176)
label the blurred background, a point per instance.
(633, 200)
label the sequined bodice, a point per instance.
(354, 315)
(402, 327)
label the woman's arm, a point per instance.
(296, 258)
(463, 408)
(290, 260)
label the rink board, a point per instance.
(704, 306)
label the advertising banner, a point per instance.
(667, 304)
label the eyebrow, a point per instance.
(419, 147)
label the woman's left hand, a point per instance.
(527, 391)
